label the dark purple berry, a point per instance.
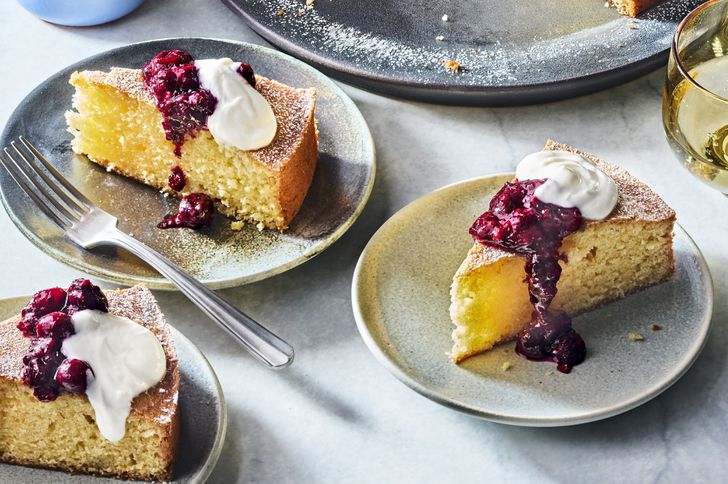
(72, 375)
(196, 210)
(54, 325)
(82, 294)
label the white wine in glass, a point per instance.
(695, 100)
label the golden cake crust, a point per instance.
(291, 156)
(636, 202)
(158, 404)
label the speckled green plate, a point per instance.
(217, 256)
(203, 419)
(400, 296)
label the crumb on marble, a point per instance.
(507, 365)
(635, 336)
(281, 12)
(549, 373)
(445, 18)
(237, 225)
(260, 226)
(655, 327)
(309, 4)
(440, 38)
(300, 12)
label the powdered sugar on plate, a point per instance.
(496, 43)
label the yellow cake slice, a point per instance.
(608, 259)
(117, 125)
(63, 434)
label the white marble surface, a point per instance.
(337, 415)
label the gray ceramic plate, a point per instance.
(217, 256)
(401, 298)
(203, 419)
(512, 52)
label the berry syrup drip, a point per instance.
(172, 78)
(46, 320)
(177, 179)
(519, 222)
(196, 210)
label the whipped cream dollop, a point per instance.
(243, 118)
(572, 181)
(126, 359)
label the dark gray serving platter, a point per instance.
(513, 52)
(217, 256)
(203, 419)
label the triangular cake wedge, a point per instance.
(63, 434)
(117, 125)
(606, 260)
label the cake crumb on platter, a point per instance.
(655, 327)
(452, 65)
(440, 38)
(281, 12)
(445, 18)
(309, 4)
(507, 365)
(634, 336)
(237, 225)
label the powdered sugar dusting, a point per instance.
(616, 42)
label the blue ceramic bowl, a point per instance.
(80, 13)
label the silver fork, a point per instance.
(89, 226)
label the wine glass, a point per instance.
(695, 98)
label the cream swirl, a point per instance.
(243, 118)
(126, 359)
(571, 181)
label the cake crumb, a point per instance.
(309, 4)
(237, 225)
(281, 12)
(655, 327)
(300, 12)
(506, 366)
(452, 65)
(260, 226)
(445, 18)
(634, 336)
(440, 38)
(549, 373)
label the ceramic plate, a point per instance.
(217, 256)
(203, 419)
(510, 52)
(401, 298)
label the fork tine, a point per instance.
(35, 184)
(57, 175)
(77, 209)
(29, 191)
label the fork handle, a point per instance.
(260, 342)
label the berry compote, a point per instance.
(46, 320)
(172, 78)
(519, 222)
(196, 210)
